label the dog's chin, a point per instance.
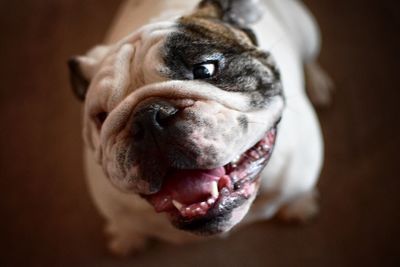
(227, 211)
(209, 202)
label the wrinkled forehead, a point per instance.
(148, 55)
(190, 35)
(148, 36)
(196, 35)
(214, 31)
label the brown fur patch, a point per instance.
(216, 30)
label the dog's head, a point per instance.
(184, 113)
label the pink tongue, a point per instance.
(187, 187)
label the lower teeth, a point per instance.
(194, 209)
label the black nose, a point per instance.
(153, 120)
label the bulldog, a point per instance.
(195, 110)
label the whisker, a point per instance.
(258, 122)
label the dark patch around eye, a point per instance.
(242, 68)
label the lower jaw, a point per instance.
(227, 211)
(224, 204)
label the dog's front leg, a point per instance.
(319, 85)
(124, 240)
(300, 209)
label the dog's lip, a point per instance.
(223, 205)
(220, 190)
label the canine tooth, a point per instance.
(214, 189)
(203, 205)
(210, 201)
(177, 204)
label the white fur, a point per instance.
(288, 31)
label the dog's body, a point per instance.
(288, 32)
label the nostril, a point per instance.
(153, 120)
(138, 131)
(165, 115)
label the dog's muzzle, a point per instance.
(160, 141)
(195, 194)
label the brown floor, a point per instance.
(47, 218)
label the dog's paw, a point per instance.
(122, 247)
(122, 243)
(319, 85)
(300, 210)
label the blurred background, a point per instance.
(47, 217)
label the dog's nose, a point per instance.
(153, 119)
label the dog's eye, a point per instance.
(204, 70)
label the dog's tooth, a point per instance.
(214, 189)
(188, 211)
(261, 151)
(234, 176)
(210, 201)
(254, 155)
(204, 205)
(235, 160)
(266, 147)
(177, 204)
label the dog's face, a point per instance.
(184, 113)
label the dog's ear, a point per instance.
(239, 12)
(83, 68)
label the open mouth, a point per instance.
(190, 195)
